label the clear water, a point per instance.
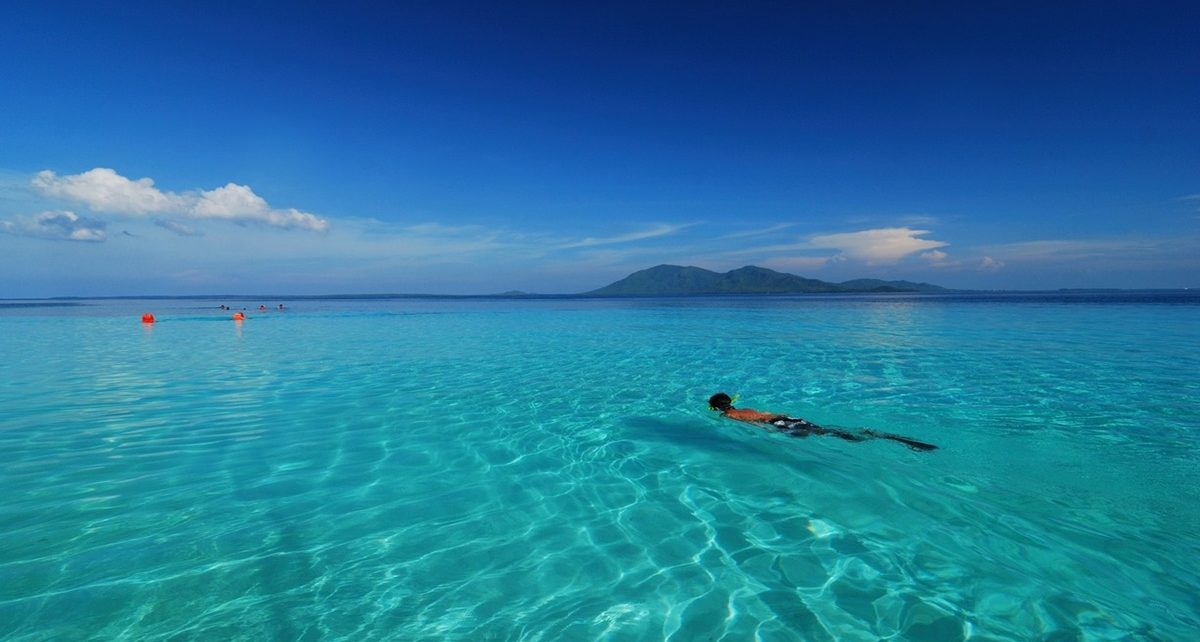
(548, 470)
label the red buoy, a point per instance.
(147, 318)
(238, 316)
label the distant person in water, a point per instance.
(722, 403)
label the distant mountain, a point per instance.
(675, 280)
(876, 285)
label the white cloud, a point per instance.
(178, 228)
(231, 201)
(104, 190)
(936, 258)
(759, 232)
(882, 245)
(656, 231)
(438, 229)
(59, 225)
(988, 264)
(1100, 255)
(906, 220)
(1070, 250)
(919, 219)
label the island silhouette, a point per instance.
(677, 280)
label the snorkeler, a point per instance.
(722, 403)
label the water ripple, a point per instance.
(548, 472)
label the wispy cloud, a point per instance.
(58, 225)
(439, 229)
(181, 229)
(661, 229)
(988, 264)
(104, 190)
(1102, 254)
(937, 258)
(1069, 250)
(893, 220)
(882, 245)
(871, 246)
(758, 232)
(919, 219)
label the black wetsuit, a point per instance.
(803, 428)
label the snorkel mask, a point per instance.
(721, 402)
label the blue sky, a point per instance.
(149, 148)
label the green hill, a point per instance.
(675, 280)
(876, 285)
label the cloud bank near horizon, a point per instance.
(57, 225)
(881, 245)
(181, 235)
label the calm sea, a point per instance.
(415, 469)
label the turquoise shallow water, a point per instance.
(547, 470)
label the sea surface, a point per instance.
(547, 469)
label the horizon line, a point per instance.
(582, 295)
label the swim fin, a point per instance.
(911, 443)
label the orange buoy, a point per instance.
(238, 316)
(147, 318)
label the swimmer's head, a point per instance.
(720, 402)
